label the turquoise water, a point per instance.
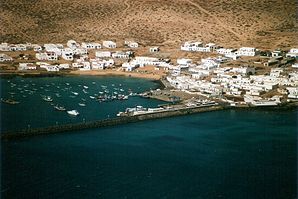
(226, 154)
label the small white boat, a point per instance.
(85, 87)
(85, 91)
(47, 98)
(75, 93)
(73, 112)
(82, 104)
(92, 97)
(60, 108)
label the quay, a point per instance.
(106, 122)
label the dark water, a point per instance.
(225, 154)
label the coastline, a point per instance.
(107, 72)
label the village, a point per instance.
(238, 77)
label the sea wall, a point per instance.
(106, 122)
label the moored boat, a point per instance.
(60, 108)
(9, 101)
(47, 98)
(73, 112)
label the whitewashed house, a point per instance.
(244, 70)
(131, 44)
(293, 53)
(191, 46)
(67, 54)
(26, 66)
(121, 55)
(129, 66)
(184, 61)
(5, 58)
(91, 45)
(80, 51)
(276, 53)
(46, 56)
(37, 48)
(212, 47)
(293, 92)
(228, 52)
(49, 68)
(54, 48)
(72, 44)
(295, 65)
(4, 47)
(109, 44)
(103, 54)
(247, 51)
(154, 49)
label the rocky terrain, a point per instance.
(265, 24)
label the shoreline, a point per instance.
(107, 72)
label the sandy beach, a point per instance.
(109, 72)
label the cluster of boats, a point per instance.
(58, 90)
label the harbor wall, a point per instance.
(105, 122)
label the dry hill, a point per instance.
(260, 23)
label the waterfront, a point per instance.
(224, 154)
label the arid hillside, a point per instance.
(260, 23)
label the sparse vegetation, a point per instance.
(264, 23)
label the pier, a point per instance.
(105, 122)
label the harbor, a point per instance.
(110, 122)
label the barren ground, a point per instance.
(265, 24)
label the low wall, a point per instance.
(105, 122)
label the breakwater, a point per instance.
(106, 122)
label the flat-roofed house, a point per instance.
(109, 44)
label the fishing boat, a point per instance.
(92, 97)
(47, 98)
(75, 93)
(60, 108)
(85, 87)
(9, 101)
(82, 104)
(73, 112)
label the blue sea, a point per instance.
(234, 154)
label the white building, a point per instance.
(103, 54)
(191, 46)
(57, 48)
(4, 47)
(121, 55)
(109, 44)
(67, 54)
(72, 44)
(26, 66)
(129, 66)
(50, 68)
(246, 51)
(154, 49)
(293, 53)
(46, 56)
(184, 61)
(91, 45)
(5, 58)
(293, 92)
(131, 44)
